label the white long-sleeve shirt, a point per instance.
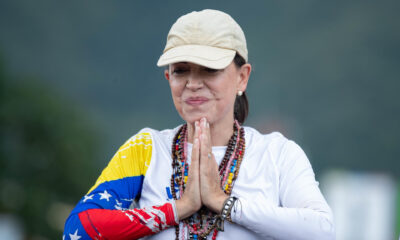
(278, 195)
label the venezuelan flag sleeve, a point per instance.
(103, 213)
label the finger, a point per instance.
(197, 133)
(206, 144)
(205, 154)
(196, 130)
(203, 129)
(208, 133)
(212, 164)
(195, 151)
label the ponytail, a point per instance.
(241, 108)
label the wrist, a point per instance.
(184, 209)
(216, 204)
(227, 207)
(225, 212)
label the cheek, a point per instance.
(226, 95)
(227, 101)
(176, 92)
(225, 91)
(176, 88)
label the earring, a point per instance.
(239, 93)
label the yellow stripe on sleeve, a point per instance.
(132, 159)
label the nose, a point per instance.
(194, 82)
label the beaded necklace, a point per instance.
(204, 221)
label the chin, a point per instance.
(193, 117)
(191, 120)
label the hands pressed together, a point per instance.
(203, 186)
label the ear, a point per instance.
(166, 73)
(244, 75)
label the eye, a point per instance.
(179, 70)
(211, 70)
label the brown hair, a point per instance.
(241, 108)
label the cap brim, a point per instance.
(211, 57)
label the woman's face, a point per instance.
(199, 91)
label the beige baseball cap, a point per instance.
(209, 38)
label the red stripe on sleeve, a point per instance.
(124, 224)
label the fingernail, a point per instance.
(196, 141)
(208, 125)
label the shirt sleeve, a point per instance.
(303, 212)
(103, 213)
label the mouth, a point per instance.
(196, 101)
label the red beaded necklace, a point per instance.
(203, 222)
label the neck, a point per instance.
(220, 132)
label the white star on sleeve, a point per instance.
(75, 236)
(87, 197)
(118, 206)
(105, 195)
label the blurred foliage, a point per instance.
(46, 153)
(325, 73)
(398, 211)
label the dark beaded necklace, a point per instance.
(203, 222)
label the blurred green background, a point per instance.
(77, 78)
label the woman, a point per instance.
(211, 177)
